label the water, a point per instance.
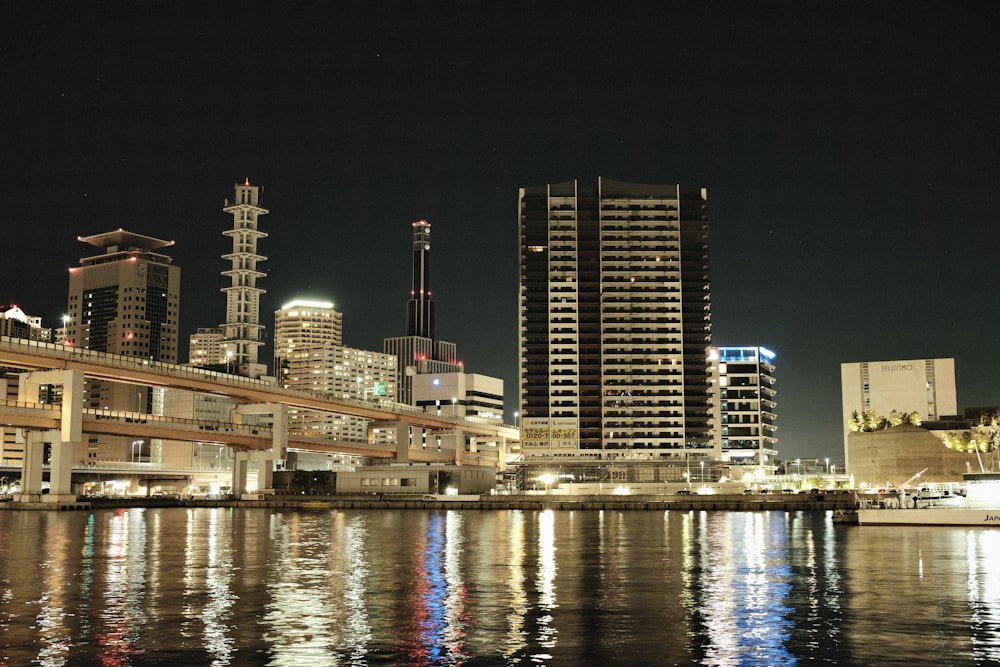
(201, 586)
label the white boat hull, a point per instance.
(942, 516)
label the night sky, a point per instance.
(850, 151)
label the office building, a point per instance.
(745, 405)
(205, 348)
(125, 301)
(924, 386)
(303, 323)
(14, 323)
(419, 351)
(615, 321)
(310, 356)
(243, 334)
(341, 373)
(460, 395)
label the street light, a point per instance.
(702, 477)
(229, 358)
(516, 415)
(827, 466)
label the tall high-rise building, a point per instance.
(745, 405)
(243, 334)
(615, 321)
(309, 356)
(304, 323)
(125, 301)
(419, 351)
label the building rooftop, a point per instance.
(120, 240)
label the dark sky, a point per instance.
(850, 151)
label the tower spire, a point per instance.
(420, 308)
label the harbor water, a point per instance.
(249, 586)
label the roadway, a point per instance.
(33, 355)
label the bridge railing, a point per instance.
(28, 404)
(70, 352)
(58, 351)
(204, 424)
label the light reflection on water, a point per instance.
(267, 587)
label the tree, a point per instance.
(898, 418)
(870, 420)
(983, 438)
(867, 421)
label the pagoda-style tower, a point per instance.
(243, 333)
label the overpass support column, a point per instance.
(31, 470)
(403, 434)
(241, 462)
(61, 441)
(265, 459)
(502, 453)
(459, 445)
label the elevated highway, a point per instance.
(64, 424)
(32, 355)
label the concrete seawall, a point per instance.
(760, 502)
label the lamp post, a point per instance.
(516, 423)
(229, 358)
(827, 466)
(701, 477)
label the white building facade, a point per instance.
(460, 395)
(924, 386)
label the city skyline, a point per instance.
(850, 153)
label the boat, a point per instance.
(979, 506)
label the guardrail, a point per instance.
(66, 352)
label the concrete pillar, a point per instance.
(31, 470)
(60, 470)
(265, 476)
(61, 441)
(402, 442)
(279, 445)
(459, 445)
(502, 453)
(241, 462)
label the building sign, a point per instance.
(378, 389)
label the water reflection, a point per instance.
(233, 587)
(438, 600)
(122, 616)
(516, 638)
(356, 627)
(545, 583)
(299, 613)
